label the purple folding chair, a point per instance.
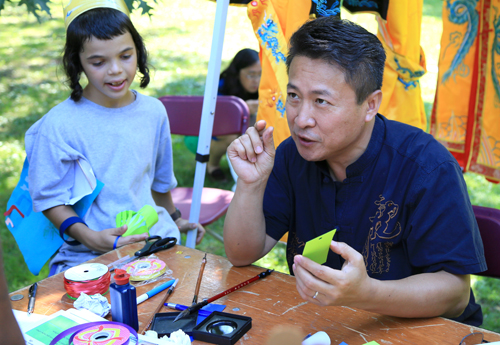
(488, 220)
(184, 114)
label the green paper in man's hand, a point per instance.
(317, 248)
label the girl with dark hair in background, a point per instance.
(241, 79)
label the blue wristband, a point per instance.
(65, 225)
(116, 241)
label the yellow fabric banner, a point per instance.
(274, 21)
(466, 114)
(405, 63)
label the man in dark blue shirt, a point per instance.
(406, 237)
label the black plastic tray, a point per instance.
(163, 323)
(239, 325)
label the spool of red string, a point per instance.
(88, 278)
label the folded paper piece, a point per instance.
(98, 304)
(137, 222)
(37, 238)
(317, 248)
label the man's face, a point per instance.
(325, 121)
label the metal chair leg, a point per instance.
(214, 234)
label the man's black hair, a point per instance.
(103, 24)
(347, 46)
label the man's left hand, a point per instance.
(348, 286)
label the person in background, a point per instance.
(241, 79)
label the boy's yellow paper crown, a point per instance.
(77, 7)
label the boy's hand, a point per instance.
(103, 241)
(99, 241)
(184, 225)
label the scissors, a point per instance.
(153, 244)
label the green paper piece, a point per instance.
(137, 222)
(317, 248)
(48, 330)
(372, 343)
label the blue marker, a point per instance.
(153, 292)
(181, 307)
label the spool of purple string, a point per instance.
(73, 331)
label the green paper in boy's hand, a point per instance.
(317, 248)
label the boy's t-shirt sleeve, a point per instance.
(51, 173)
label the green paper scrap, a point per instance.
(317, 248)
(137, 222)
(47, 331)
(372, 343)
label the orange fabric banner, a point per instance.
(405, 63)
(274, 21)
(466, 114)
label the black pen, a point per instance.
(169, 291)
(32, 296)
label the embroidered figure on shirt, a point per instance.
(376, 251)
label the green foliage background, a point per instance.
(178, 37)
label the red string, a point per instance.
(90, 287)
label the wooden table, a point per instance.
(270, 302)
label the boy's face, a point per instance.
(110, 67)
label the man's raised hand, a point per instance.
(252, 154)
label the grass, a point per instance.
(178, 38)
